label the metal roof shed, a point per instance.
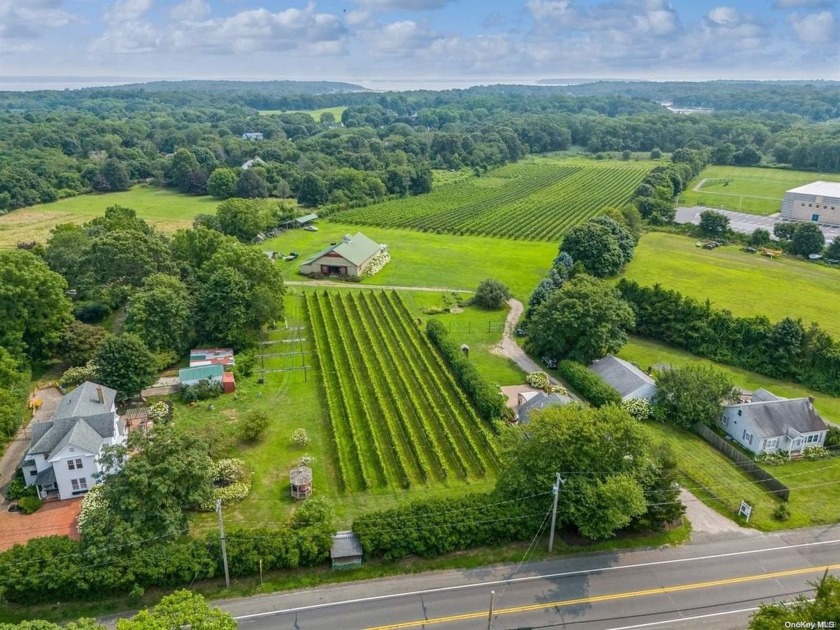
(346, 551)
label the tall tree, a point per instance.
(160, 313)
(125, 364)
(692, 394)
(34, 310)
(713, 223)
(80, 343)
(127, 258)
(196, 246)
(807, 239)
(312, 191)
(182, 609)
(116, 175)
(583, 321)
(251, 184)
(242, 218)
(183, 164)
(222, 183)
(601, 246)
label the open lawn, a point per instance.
(747, 189)
(711, 476)
(746, 284)
(165, 209)
(430, 260)
(315, 113)
(646, 354)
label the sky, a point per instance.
(388, 44)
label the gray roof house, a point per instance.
(346, 551)
(63, 456)
(769, 423)
(625, 377)
(539, 400)
(353, 256)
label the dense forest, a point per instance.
(59, 144)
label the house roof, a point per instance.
(204, 372)
(772, 418)
(762, 395)
(819, 188)
(305, 218)
(345, 545)
(50, 437)
(540, 401)
(200, 357)
(84, 401)
(356, 249)
(45, 477)
(625, 377)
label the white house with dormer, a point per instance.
(63, 457)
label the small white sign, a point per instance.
(745, 510)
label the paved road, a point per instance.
(745, 223)
(714, 584)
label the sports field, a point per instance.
(746, 284)
(746, 189)
(315, 113)
(166, 210)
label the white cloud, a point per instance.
(30, 19)
(190, 10)
(738, 30)
(800, 4)
(814, 28)
(128, 10)
(651, 18)
(411, 5)
(402, 38)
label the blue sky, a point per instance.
(393, 43)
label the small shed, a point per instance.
(228, 383)
(301, 482)
(200, 357)
(346, 551)
(191, 376)
(299, 222)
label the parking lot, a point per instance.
(746, 223)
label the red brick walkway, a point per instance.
(57, 517)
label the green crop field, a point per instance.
(165, 209)
(746, 284)
(397, 417)
(536, 199)
(754, 190)
(315, 113)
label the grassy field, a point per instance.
(754, 190)
(646, 353)
(535, 199)
(746, 284)
(711, 476)
(430, 260)
(165, 209)
(315, 113)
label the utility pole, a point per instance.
(224, 544)
(556, 490)
(492, 607)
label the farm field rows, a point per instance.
(530, 200)
(396, 416)
(746, 284)
(746, 189)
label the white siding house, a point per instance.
(768, 424)
(818, 202)
(63, 456)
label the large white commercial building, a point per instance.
(818, 202)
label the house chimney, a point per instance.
(100, 394)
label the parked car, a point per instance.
(521, 332)
(291, 256)
(311, 228)
(550, 362)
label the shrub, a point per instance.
(136, 593)
(30, 505)
(782, 512)
(232, 482)
(161, 411)
(164, 359)
(832, 439)
(245, 364)
(588, 384)
(94, 508)
(17, 488)
(91, 312)
(75, 376)
(202, 390)
(491, 294)
(300, 438)
(638, 408)
(538, 380)
(253, 425)
(773, 459)
(816, 452)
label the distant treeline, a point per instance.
(785, 350)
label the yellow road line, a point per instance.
(605, 598)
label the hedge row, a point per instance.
(489, 404)
(588, 384)
(438, 526)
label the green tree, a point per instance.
(182, 609)
(609, 493)
(126, 258)
(161, 314)
(583, 321)
(116, 175)
(599, 246)
(80, 342)
(124, 363)
(34, 311)
(251, 184)
(65, 252)
(713, 223)
(491, 294)
(154, 477)
(117, 219)
(807, 239)
(180, 168)
(784, 230)
(222, 183)
(312, 191)
(833, 250)
(823, 608)
(759, 238)
(241, 218)
(327, 117)
(196, 246)
(692, 394)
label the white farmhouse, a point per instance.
(63, 457)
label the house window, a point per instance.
(747, 437)
(815, 437)
(773, 443)
(74, 464)
(78, 484)
(815, 217)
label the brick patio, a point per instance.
(56, 517)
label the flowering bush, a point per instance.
(538, 380)
(300, 438)
(773, 459)
(376, 264)
(160, 412)
(638, 408)
(816, 452)
(77, 375)
(94, 506)
(232, 482)
(306, 460)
